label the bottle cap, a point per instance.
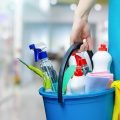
(103, 47)
(78, 72)
(43, 55)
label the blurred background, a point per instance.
(23, 22)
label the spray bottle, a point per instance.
(45, 65)
(76, 84)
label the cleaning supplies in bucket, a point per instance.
(77, 78)
(99, 79)
(75, 106)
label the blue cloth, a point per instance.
(114, 35)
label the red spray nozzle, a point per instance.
(83, 62)
(78, 60)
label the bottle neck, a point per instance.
(44, 59)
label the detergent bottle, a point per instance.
(76, 84)
(102, 60)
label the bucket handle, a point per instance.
(64, 65)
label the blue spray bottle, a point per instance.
(45, 65)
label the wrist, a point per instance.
(81, 15)
(83, 10)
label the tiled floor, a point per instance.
(26, 104)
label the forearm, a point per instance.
(84, 8)
(80, 29)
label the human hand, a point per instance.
(81, 33)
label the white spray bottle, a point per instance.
(76, 84)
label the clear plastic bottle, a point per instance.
(48, 69)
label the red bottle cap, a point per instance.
(78, 72)
(103, 47)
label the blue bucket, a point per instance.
(93, 106)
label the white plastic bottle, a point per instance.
(76, 84)
(102, 60)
